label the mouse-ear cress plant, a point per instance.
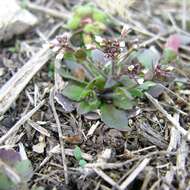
(98, 80)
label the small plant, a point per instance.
(99, 80)
(78, 156)
(87, 20)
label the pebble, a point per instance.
(14, 19)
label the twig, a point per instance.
(168, 178)
(60, 135)
(48, 11)
(59, 83)
(168, 116)
(173, 93)
(135, 173)
(184, 14)
(175, 137)
(153, 136)
(106, 178)
(19, 123)
(144, 149)
(147, 178)
(38, 128)
(182, 156)
(145, 32)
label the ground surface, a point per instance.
(154, 149)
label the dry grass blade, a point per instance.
(135, 173)
(168, 116)
(45, 10)
(38, 128)
(60, 134)
(18, 124)
(11, 90)
(106, 178)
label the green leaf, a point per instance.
(24, 169)
(127, 82)
(114, 118)
(85, 107)
(111, 83)
(77, 39)
(146, 85)
(24, 4)
(123, 92)
(123, 103)
(68, 55)
(168, 55)
(73, 91)
(135, 92)
(87, 38)
(91, 28)
(123, 99)
(97, 83)
(94, 28)
(99, 16)
(83, 10)
(82, 163)
(77, 153)
(74, 23)
(148, 58)
(80, 55)
(5, 182)
(100, 83)
(69, 76)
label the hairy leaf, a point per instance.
(123, 103)
(88, 106)
(146, 85)
(148, 58)
(24, 169)
(114, 118)
(73, 91)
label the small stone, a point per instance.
(14, 20)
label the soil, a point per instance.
(114, 153)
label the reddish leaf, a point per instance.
(173, 42)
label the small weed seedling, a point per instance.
(86, 22)
(98, 79)
(78, 156)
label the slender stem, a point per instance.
(96, 68)
(113, 67)
(88, 70)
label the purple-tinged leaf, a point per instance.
(114, 118)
